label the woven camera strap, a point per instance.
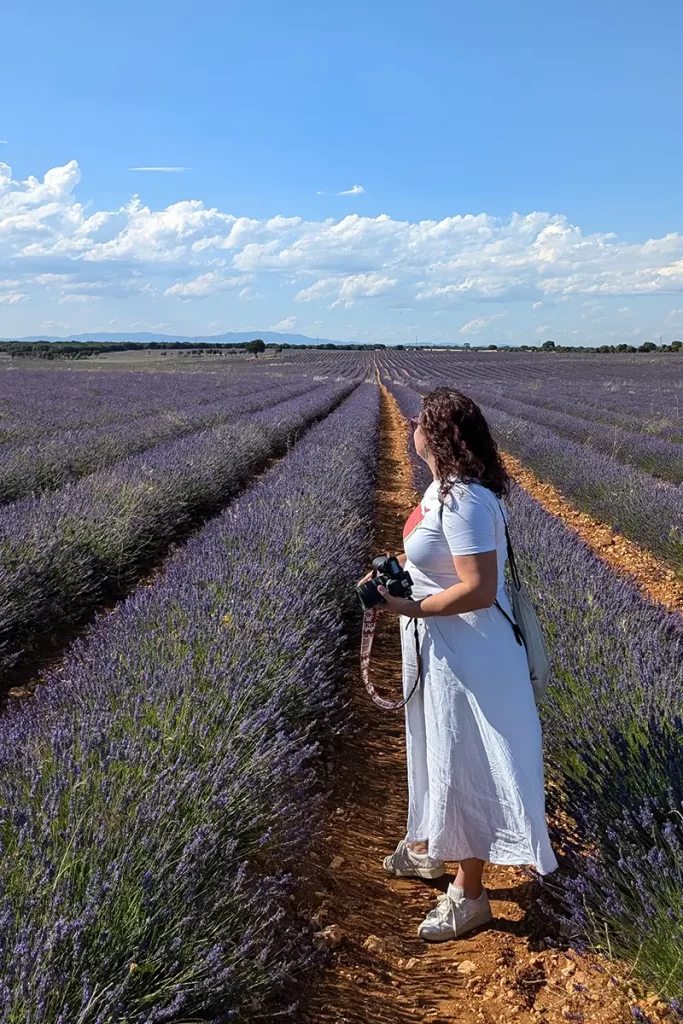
(367, 636)
(516, 582)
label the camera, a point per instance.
(388, 573)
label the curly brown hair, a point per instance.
(460, 440)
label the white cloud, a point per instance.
(3, 142)
(478, 324)
(355, 190)
(205, 284)
(674, 314)
(164, 170)
(346, 290)
(543, 329)
(537, 305)
(12, 298)
(50, 239)
(51, 279)
(288, 324)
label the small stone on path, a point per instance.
(330, 937)
(466, 967)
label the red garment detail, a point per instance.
(413, 521)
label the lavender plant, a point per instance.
(158, 792)
(63, 555)
(29, 468)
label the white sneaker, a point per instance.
(405, 863)
(454, 916)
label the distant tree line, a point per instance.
(89, 349)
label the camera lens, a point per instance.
(368, 595)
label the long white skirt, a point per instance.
(473, 737)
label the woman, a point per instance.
(475, 767)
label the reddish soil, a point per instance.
(380, 972)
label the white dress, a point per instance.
(475, 763)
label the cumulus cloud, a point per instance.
(346, 290)
(11, 298)
(205, 284)
(186, 250)
(288, 324)
(480, 322)
(164, 170)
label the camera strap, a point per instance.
(367, 636)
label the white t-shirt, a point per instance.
(472, 523)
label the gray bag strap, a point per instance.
(516, 581)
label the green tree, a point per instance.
(256, 346)
(548, 345)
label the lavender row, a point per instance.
(648, 511)
(40, 402)
(612, 729)
(597, 410)
(148, 840)
(612, 732)
(63, 555)
(37, 403)
(495, 381)
(45, 465)
(655, 456)
(642, 387)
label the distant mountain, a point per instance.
(270, 337)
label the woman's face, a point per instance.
(419, 439)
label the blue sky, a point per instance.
(516, 169)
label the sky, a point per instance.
(366, 171)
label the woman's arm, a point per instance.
(477, 589)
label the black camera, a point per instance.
(388, 573)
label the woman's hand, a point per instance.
(399, 605)
(368, 576)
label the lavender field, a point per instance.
(177, 558)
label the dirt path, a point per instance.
(654, 579)
(381, 972)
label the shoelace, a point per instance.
(445, 910)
